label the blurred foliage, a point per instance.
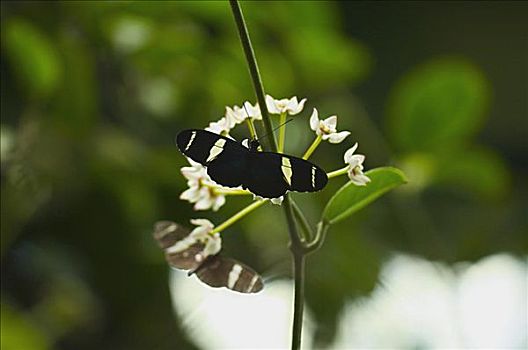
(93, 93)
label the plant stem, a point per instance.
(338, 172)
(312, 147)
(317, 242)
(282, 132)
(226, 192)
(251, 127)
(237, 216)
(306, 229)
(298, 273)
(253, 71)
(296, 245)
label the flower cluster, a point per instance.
(206, 194)
(201, 189)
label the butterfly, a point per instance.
(214, 270)
(266, 174)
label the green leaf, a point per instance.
(438, 105)
(350, 198)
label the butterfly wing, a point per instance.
(224, 158)
(219, 271)
(272, 174)
(306, 176)
(178, 253)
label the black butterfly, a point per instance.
(216, 270)
(266, 174)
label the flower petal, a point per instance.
(219, 126)
(190, 194)
(314, 120)
(331, 123)
(205, 201)
(359, 179)
(271, 104)
(339, 136)
(277, 201)
(253, 111)
(212, 246)
(357, 160)
(298, 108)
(291, 106)
(218, 202)
(204, 227)
(349, 153)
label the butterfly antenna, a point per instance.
(276, 128)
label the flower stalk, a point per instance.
(251, 127)
(338, 172)
(237, 216)
(282, 131)
(312, 147)
(228, 192)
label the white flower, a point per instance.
(327, 128)
(276, 201)
(252, 112)
(200, 189)
(234, 116)
(291, 106)
(355, 171)
(220, 127)
(213, 243)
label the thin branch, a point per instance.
(320, 236)
(254, 71)
(301, 219)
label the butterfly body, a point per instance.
(267, 174)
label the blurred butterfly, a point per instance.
(215, 270)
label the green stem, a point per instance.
(298, 308)
(320, 236)
(251, 127)
(338, 172)
(253, 71)
(237, 216)
(296, 246)
(312, 147)
(227, 192)
(282, 131)
(306, 229)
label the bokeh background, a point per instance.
(93, 93)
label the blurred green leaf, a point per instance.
(479, 171)
(438, 105)
(32, 56)
(350, 198)
(18, 332)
